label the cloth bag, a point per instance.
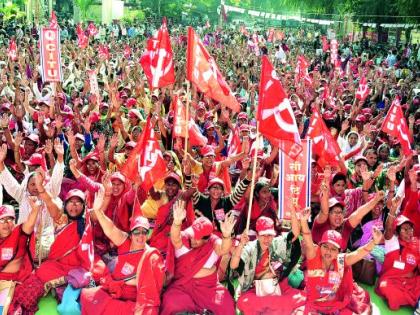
(364, 271)
(265, 287)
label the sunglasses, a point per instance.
(140, 232)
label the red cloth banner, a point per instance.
(362, 90)
(396, 126)
(295, 181)
(203, 72)
(180, 122)
(275, 115)
(12, 51)
(92, 29)
(334, 51)
(50, 55)
(53, 20)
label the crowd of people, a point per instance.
(184, 246)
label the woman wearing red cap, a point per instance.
(15, 264)
(399, 282)
(264, 266)
(135, 284)
(195, 287)
(65, 252)
(329, 286)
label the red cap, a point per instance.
(347, 107)
(265, 226)
(131, 102)
(360, 158)
(333, 202)
(134, 113)
(201, 106)
(244, 127)
(200, 228)
(6, 106)
(80, 136)
(360, 118)
(366, 111)
(130, 144)
(368, 116)
(33, 137)
(208, 125)
(139, 221)
(401, 219)
(94, 117)
(242, 115)
(174, 176)
(207, 150)
(119, 176)
(328, 115)
(332, 237)
(7, 211)
(35, 159)
(75, 193)
(216, 181)
(103, 104)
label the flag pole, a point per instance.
(187, 119)
(254, 167)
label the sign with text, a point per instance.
(295, 181)
(50, 55)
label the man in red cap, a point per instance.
(399, 282)
(330, 287)
(66, 252)
(195, 286)
(267, 261)
(15, 263)
(135, 284)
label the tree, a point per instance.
(83, 6)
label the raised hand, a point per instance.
(35, 203)
(59, 122)
(345, 125)
(39, 178)
(228, 224)
(377, 235)
(392, 173)
(58, 147)
(4, 121)
(18, 139)
(244, 239)
(114, 140)
(106, 182)
(101, 143)
(179, 212)
(86, 125)
(246, 163)
(186, 165)
(365, 173)
(380, 195)
(395, 203)
(48, 146)
(327, 173)
(378, 170)
(3, 152)
(71, 138)
(305, 214)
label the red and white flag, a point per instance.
(53, 20)
(103, 52)
(396, 126)
(12, 51)
(92, 29)
(50, 55)
(234, 142)
(157, 60)
(362, 90)
(325, 45)
(275, 115)
(324, 145)
(127, 51)
(301, 71)
(145, 164)
(334, 51)
(203, 72)
(86, 249)
(82, 39)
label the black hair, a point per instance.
(79, 218)
(337, 177)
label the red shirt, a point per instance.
(127, 261)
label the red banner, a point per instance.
(50, 55)
(295, 181)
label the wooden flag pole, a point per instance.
(254, 167)
(187, 118)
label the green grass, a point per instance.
(47, 306)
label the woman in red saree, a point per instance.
(399, 282)
(330, 288)
(195, 286)
(136, 282)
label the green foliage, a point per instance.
(12, 11)
(84, 6)
(133, 15)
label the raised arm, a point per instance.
(102, 200)
(310, 249)
(389, 224)
(227, 228)
(356, 217)
(29, 225)
(179, 214)
(322, 216)
(361, 252)
(236, 257)
(52, 206)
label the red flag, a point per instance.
(103, 52)
(53, 20)
(127, 51)
(12, 51)
(302, 71)
(275, 114)
(180, 122)
(363, 90)
(323, 143)
(195, 135)
(270, 35)
(92, 30)
(203, 72)
(86, 249)
(234, 143)
(325, 45)
(396, 126)
(82, 39)
(157, 60)
(145, 164)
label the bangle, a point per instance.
(391, 215)
(176, 224)
(366, 191)
(227, 237)
(306, 233)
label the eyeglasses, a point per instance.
(76, 202)
(337, 212)
(139, 232)
(7, 220)
(407, 229)
(328, 248)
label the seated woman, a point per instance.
(330, 288)
(66, 252)
(15, 264)
(267, 262)
(195, 286)
(136, 282)
(399, 282)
